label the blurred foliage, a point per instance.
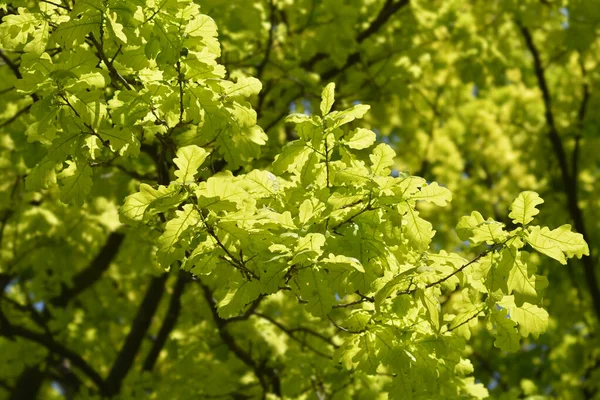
(140, 135)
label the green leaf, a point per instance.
(136, 206)
(245, 87)
(341, 261)
(44, 128)
(360, 139)
(116, 28)
(419, 231)
(313, 288)
(532, 319)
(507, 337)
(308, 248)
(43, 174)
(76, 184)
(523, 209)
(523, 282)
(201, 26)
(204, 258)
(398, 282)
(466, 225)
(327, 98)
(120, 138)
(489, 232)
(221, 193)
(170, 242)
(382, 159)
(188, 160)
(260, 183)
(241, 293)
(433, 193)
(559, 243)
(292, 158)
(430, 301)
(339, 118)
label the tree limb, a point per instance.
(28, 384)
(87, 277)
(169, 322)
(261, 371)
(386, 12)
(14, 117)
(134, 339)
(111, 68)
(56, 348)
(570, 183)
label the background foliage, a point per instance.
(190, 209)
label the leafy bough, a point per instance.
(328, 225)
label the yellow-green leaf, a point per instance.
(327, 98)
(560, 243)
(188, 160)
(523, 209)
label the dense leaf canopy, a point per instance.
(366, 199)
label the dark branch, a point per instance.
(28, 384)
(14, 117)
(261, 67)
(585, 98)
(291, 331)
(58, 349)
(450, 275)
(261, 371)
(569, 181)
(111, 68)
(87, 277)
(472, 317)
(250, 311)
(134, 339)
(169, 322)
(386, 12)
(389, 9)
(13, 67)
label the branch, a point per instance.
(389, 9)
(134, 339)
(88, 276)
(580, 118)
(111, 68)
(386, 12)
(261, 371)
(249, 312)
(290, 332)
(362, 299)
(56, 348)
(56, 4)
(354, 58)
(14, 117)
(132, 173)
(15, 69)
(261, 67)
(341, 328)
(569, 182)
(472, 317)
(450, 275)
(180, 78)
(5, 385)
(28, 384)
(169, 322)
